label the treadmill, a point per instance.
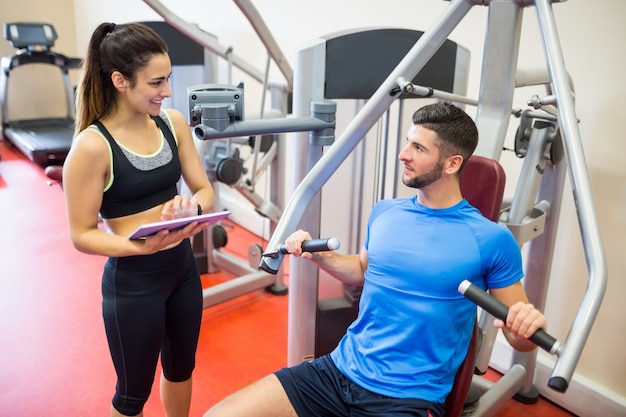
(45, 141)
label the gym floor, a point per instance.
(54, 359)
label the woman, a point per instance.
(124, 165)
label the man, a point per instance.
(399, 357)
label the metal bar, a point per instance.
(380, 101)
(263, 126)
(422, 91)
(499, 67)
(499, 393)
(261, 29)
(529, 177)
(204, 39)
(587, 218)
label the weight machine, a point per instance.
(549, 142)
(217, 111)
(222, 158)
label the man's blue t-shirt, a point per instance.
(413, 327)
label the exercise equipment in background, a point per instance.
(46, 141)
(551, 148)
(223, 158)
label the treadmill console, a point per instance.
(30, 35)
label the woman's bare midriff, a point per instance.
(125, 225)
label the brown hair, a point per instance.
(125, 48)
(456, 131)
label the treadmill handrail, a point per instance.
(41, 57)
(27, 57)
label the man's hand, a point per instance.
(294, 243)
(522, 321)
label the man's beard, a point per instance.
(426, 179)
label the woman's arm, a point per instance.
(194, 174)
(85, 172)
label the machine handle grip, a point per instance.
(311, 245)
(316, 245)
(271, 260)
(500, 311)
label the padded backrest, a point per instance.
(463, 379)
(482, 185)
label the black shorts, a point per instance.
(319, 389)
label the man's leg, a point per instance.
(263, 398)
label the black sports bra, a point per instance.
(134, 189)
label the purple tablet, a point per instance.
(152, 228)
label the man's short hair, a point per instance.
(457, 133)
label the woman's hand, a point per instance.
(178, 207)
(165, 238)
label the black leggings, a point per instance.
(151, 305)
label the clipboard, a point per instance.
(149, 229)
